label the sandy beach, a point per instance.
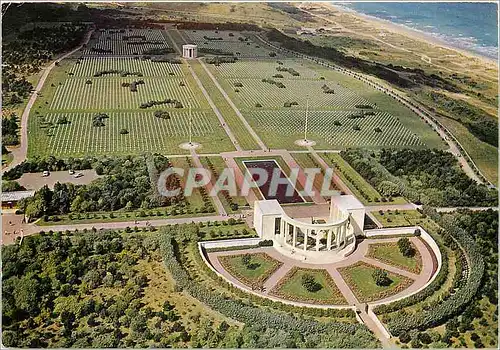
(413, 34)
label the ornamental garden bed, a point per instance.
(291, 287)
(359, 278)
(389, 253)
(255, 270)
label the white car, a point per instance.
(45, 173)
(71, 172)
(77, 175)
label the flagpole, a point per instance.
(190, 124)
(305, 127)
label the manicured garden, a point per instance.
(360, 278)
(252, 269)
(391, 254)
(398, 218)
(309, 286)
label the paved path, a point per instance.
(209, 186)
(19, 153)
(233, 106)
(363, 311)
(204, 91)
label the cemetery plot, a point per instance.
(90, 66)
(269, 94)
(109, 93)
(334, 128)
(222, 42)
(144, 133)
(126, 42)
(266, 68)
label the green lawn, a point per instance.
(71, 97)
(260, 267)
(290, 287)
(262, 104)
(392, 218)
(359, 278)
(390, 254)
(121, 216)
(483, 154)
(244, 139)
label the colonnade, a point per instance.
(326, 237)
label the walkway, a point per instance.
(206, 94)
(364, 312)
(209, 186)
(19, 153)
(233, 106)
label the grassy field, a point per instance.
(390, 253)
(290, 287)
(69, 97)
(245, 140)
(334, 121)
(392, 218)
(360, 280)
(125, 42)
(484, 155)
(227, 41)
(306, 161)
(259, 268)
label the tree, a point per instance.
(246, 260)
(381, 278)
(309, 283)
(405, 247)
(388, 188)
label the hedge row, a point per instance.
(456, 302)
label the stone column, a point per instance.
(329, 240)
(305, 238)
(294, 243)
(317, 240)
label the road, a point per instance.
(13, 223)
(19, 153)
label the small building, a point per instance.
(10, 199)
(189, 51)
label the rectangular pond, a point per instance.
(279, 192)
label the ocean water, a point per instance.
(469, 26)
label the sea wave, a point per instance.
(458, 41)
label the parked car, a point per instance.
(77, 175)
(45, 173)
(71, 172)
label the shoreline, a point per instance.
(414, 34)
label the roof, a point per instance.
(269, 207)
(16, 195)
(347, 201)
